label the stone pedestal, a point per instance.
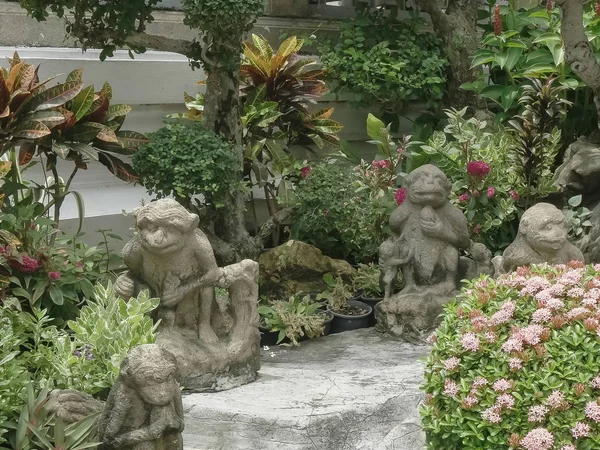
(349, 391)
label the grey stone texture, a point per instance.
(216, 347)
(357, 390)
(72, 405)
(580, 172)
(428, 233)
(298, 267)
(590, 244)
(144, 409)
(542, 238)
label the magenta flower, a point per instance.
(28, 264)
(491, 192)
(400, 196)
(478, 168)
(514, 194)
(381, 164)
(54, 276)
(464, 198)
(305, 171)
(477, 229)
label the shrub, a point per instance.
(86, 357)
(185, 161)
(335, 217)
(514, 363)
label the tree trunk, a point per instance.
(222, 115)
(457, 27)
(578, 51)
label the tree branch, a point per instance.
(154, 42)
(434, 9)
(267, 228)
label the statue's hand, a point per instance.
(172, 297)
(431, 228)
(125, 286)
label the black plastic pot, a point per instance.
(268, 338)
(343, 322)
(371, 301)
(327, 323)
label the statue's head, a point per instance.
(164, 226)
(151, 371)
(544, 227)
(428, 186)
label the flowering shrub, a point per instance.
(514, 364)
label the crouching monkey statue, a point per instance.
(216, 343)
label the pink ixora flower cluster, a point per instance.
(25, 263)
(538, 439)
(400, 196)
(381, 164)
(478, 168)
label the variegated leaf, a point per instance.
(4, 168)
(83, 102)
(55, 96)
(117, 111)
(61, 149)
(31, 129)
(26, 152)
(49, 118)
(75, 75)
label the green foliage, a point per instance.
(530, 46)
(185, 161)
(489, 201)
(333, 216)
(293, 318)
(538, 137)
(384, 62)
(367, 279)
(86, 356)
(531, 341)
(337, 293)
(37, 430)
(578, 218)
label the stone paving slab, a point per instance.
(351, 391)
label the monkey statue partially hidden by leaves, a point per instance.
(428, 233)
(217, 345)
(542, 238)
(144, 409)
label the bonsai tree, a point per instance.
(221, 26)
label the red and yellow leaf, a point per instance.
(26, 152)
(54, 96)
(31, 129)
(120, 169)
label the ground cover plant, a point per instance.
(514, 363)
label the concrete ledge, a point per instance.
(351, 391)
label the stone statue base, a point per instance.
(412, 314)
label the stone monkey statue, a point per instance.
(144, 409)
(542, 238)
(168, 251)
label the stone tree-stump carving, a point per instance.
(144, 409)
(542, 238)
(217, 347)
(427, 234)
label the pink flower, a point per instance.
(514, 194)
(492, 414)
(431, 339)
(515, 364)
(512, 345)
(490, 336)
(549, 5)
(596, 382)
(541, 315)
(451, 363)
(400, 196)
(479, 382)
(476, 229)
(305, 171)
(592, 411)
(502, 385)
(576, 292)
(577, 313)
(555, 303)
(580, 430)
(478, 168)
(470, 342)
(506, 401)
(470, 401)
(54, 276)
(27, 264)
(463, 198)
(556, 399)
(538, 439)
(450, 388)
(400, 149)
(531, 334)
(537, 413)
(381, 164)
(491, 192)
(568, 447)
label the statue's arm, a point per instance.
(456, 231)
(128, 280)
(398, 218)
(118, 413)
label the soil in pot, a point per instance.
(371, 301)
(353, 317)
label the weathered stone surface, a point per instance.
(542, 238)
(144, 409)
(590, 244)
(298, 267)
(580, 171)
(427, 234)
(349, 391)
(216, 347)
(72, 405)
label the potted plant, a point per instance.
(348, 314)
(292, 321)
(368, 282)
